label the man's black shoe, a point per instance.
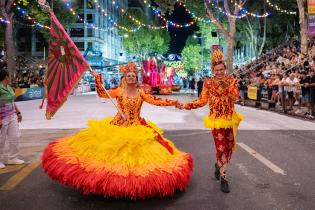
(224, 185)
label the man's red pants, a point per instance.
(224, 142)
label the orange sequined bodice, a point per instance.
(221, 101)
(130, 106)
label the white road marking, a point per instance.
(191, 134)
(262, 159)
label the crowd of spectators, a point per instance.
(26, 75)
(283, 76)
(28, 78)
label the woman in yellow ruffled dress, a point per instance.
(124, 156)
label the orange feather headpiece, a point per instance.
(129, 67)
(217, 57)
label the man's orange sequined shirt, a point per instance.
(221, 101)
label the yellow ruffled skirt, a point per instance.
(136, 162)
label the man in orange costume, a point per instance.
(221, 91)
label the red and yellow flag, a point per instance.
(66, 66)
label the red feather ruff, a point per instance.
(157, 183)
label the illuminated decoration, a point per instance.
(29, 18)
(193, 14)
(311, 6)
(169, 22)
(311, 18)
(177, 66)
(105, 13)
(276, 7)
(23, 2)
(4, 21)
(145, 25)
(242, 10)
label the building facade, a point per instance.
(96, 29)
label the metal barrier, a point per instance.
(262, 100)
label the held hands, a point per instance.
(182, 106)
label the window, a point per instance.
(90, 45)
(89, 32)
(40, 41)
(24, 43)
(77, 32)
(89, 18)
(80, 45)
(80, 18)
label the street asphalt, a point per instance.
(273, 167)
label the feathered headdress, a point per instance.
(130, 67)
(217, 57)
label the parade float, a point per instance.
(162, 76)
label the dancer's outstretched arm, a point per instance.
(202, 101)
(157, 101)
(101, 90)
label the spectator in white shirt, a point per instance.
(291, 86)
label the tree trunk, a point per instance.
(303, 26)
(7, 13)
(264, 38)
(229, 34)
(230, 53)
(10, 47)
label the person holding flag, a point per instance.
(120, 157)
(221, 92)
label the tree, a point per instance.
(303, 25)
(43, 16)
(228, 33)
(191, 57)
(145, 40)
(160, 42)
(254, 33)
(7, 12)
(192, 40)
(166, 6)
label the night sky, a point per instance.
(179, 35)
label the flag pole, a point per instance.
(111, 99)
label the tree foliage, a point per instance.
(43, 16)
(166, 6)
(279, 26)
(145, 40)
(192, 57)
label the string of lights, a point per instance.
(276, 7)
(169, 22)
(29, 18)
(193, 14)
(242, 10)
(4, 20)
